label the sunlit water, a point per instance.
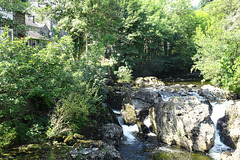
(218, 111)
(137, 149)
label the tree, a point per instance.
(218, 46)
(156, 36)
(13, 6)
(85, 20)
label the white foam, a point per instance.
(116, 111)
(218, 112)
(128, 132)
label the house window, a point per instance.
(33, 43)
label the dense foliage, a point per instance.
(152, 35)
(60, 89)
(13, 6)
(33, 80)
(218, 45)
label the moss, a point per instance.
(68, 139)
(78, 136)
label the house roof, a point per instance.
(30, 23)
(35, 35)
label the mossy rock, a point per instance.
(70, 140)
(78, 136)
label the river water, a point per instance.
(135, 147)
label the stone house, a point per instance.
(37, 33)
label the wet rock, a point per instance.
(232, 156)
(111, 134)
(103, 152)
(143, 130)
(137, 104)
(95, 150)
(148, 82)
(222, 126)
(229, 127)
(184, 121)
(213, 93)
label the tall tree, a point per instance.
(84, 20)
(12, 6)
(156, 36)
(218, 46)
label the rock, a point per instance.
(213, 93)
(137, 104)
(143, 130)
(148, 82)
(229, 125)
(232, 156)
(111, 134)
(95, 150)
(128, 114)
(184, 121)
(106, 152)
(115, 97)
(222, 127)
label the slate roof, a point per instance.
(35, 35)
(30, 23)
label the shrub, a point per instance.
(124, 74)
(218, 58)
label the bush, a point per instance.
(7, 134)
(218, 58)
(124, 74)
(33, 77)
(33, 80)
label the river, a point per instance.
(135, 147)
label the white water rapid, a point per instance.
(133, 144)
(218, 111)
(128, 130)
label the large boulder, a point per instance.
(214, 93)
(148, 82)
(137, 103)
(229, 125)
(95, 150)
(184, 121)
(112, 134)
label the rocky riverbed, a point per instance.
(180, 114)
(155, 121)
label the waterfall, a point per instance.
(128, 130)
(134, 148)
(147, 122)
(218, 111)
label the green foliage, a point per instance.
(218, 48)
(13, 6)
(85, 20)
(218, 58)
(36, 133)
(32, 79)
(203, 20)
(124, 74)
(31, 75)
(154, 39)
(8, 134)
